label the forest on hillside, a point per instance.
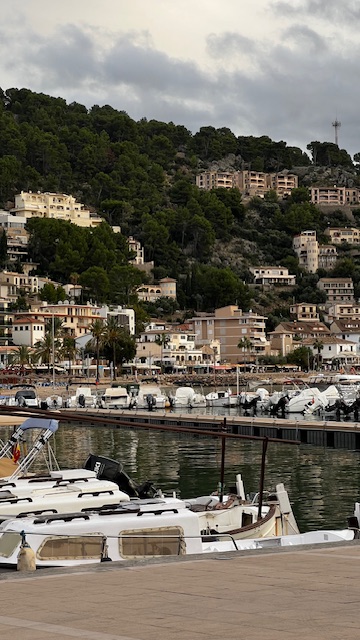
(141, 176)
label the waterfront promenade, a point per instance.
(310, 594)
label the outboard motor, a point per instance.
(150, 401)
(81, 400)
(108, 469)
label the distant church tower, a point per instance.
(336, 124)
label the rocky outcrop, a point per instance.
(327, 176)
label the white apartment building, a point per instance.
(27, 330)
(306, 248)
(337, 289)
(139, 259)
(13, 284)
(335, 349)
(178, 353)
(166, 288)
(343, 311)
(338, 235)
(77, 318)
(273, 276)
(54, 205)
(347, 330)
(137, 249)
(328, 256)
(288, 336)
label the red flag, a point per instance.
(16, 452)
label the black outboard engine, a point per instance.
(81, 400)
(150, 401)
(107, 469)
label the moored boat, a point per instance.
(145, 529)
(116, 398)
(150, 397)
(222, 398)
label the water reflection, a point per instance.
(322, 483)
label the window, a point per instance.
(72, 547)
(8, 543)
(165, 541)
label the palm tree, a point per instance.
(68, 349)
(23, 356)
(162, 339)
(112, 334)
(55, 325)
(318, 345)
(44, 349)
(98, 333)
(245, 344)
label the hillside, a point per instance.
(141, 176)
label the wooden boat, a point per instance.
(146, 528)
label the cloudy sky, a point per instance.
(283, 68)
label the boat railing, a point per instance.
(44, 519)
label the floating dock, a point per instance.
(336, 435)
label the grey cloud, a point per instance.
(145, 67)
(290, 93)
(346, 11)
(304, 36)
(228, 44)
(70, 57)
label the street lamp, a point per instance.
(214, 369)
(53, 347)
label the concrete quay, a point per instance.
(309, 594)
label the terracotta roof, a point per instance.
(302, 326)
(28, 320)
(327, 340)
(347, 326)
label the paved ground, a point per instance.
(304, 594)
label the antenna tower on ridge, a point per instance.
(336, 124)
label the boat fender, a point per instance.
(26, 558)
(104, 557)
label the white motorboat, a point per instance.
(325, 399)
(145, 529)
(221, 399)
(83, 398)
(26, 398)
(150, 397)
(306, 397)
(116, 398)
(187, 397)
(257, 399)
(197, 401)
(53, 402)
